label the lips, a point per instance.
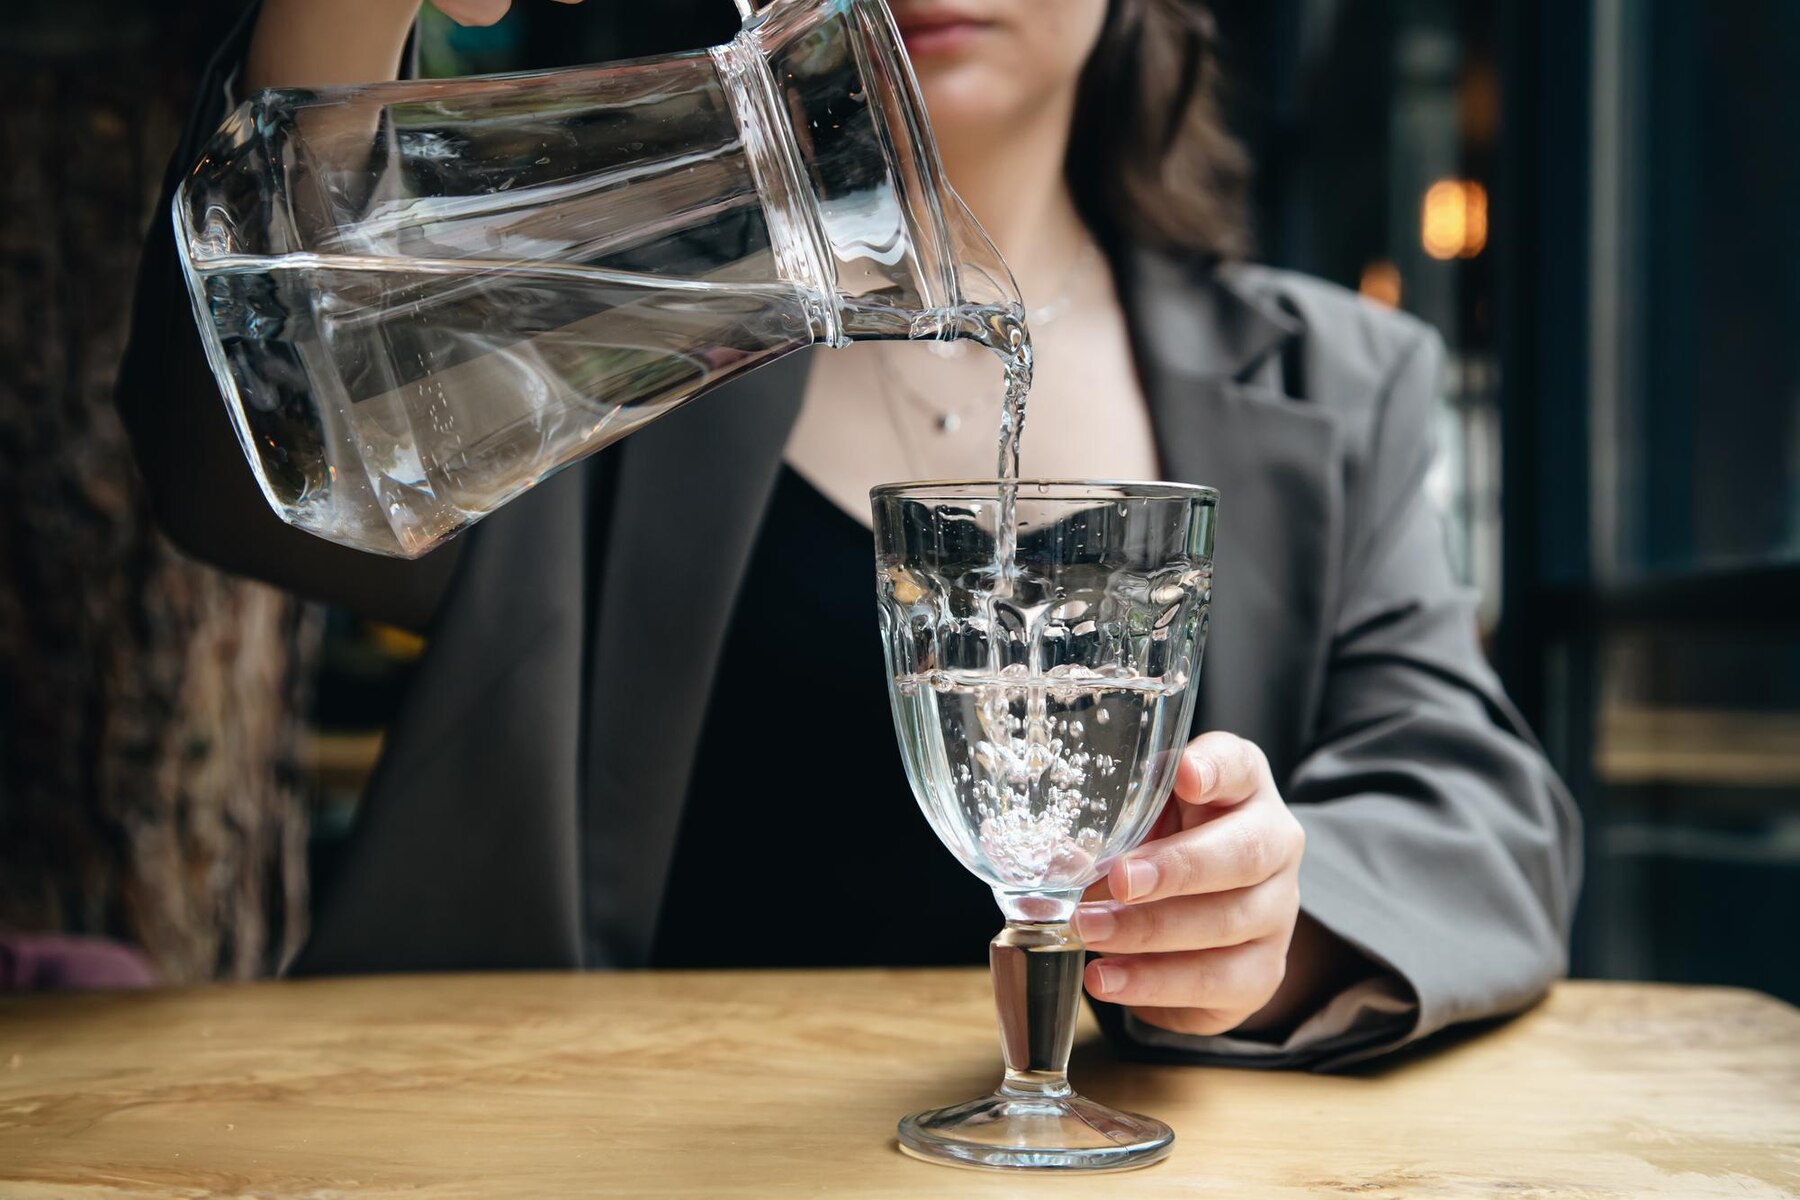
(929, 32)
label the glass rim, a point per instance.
(1048, 489)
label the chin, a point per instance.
(990, 66)
(966, 101)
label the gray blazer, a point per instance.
(525, 811)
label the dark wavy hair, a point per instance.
(1150, 158)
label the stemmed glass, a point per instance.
(1041, 709)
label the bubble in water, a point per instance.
(1023, 772)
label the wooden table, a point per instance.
(739, 1084)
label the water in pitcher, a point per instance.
(432, 392)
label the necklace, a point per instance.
(943, 420)
(900, 437)
(1064, 299)
(947, 420)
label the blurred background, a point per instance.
(1594, 200)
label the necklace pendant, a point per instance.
(948, 423)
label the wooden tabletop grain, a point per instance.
(776, 1083)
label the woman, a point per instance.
(617, 752)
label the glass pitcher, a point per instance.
(421, 298)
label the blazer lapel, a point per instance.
(689, 502)
(1208, 355)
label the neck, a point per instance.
(1014, 185)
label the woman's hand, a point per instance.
(1195, 923)
(312, 43)
(478, 12)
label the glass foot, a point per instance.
(1035, 1133)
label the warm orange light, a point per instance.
(1380, 282)
(1453, 222)
(399, 644)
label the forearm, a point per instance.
(312, 43)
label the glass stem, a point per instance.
(1037, 990)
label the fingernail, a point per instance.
(1140, 878)
(1205, 772)
(1095, 922)
(1108, 978)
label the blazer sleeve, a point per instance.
(1440, 843)
(200, 488)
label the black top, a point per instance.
(801, 843)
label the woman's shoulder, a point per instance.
(1340, 334)
(1295, 337)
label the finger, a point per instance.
(1236, 978)
(472, 12)
(1168, 822)
(1201, 1022)
(1240, 849)
(1202, 922)
(1220, 768)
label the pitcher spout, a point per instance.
(887, 250)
